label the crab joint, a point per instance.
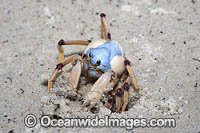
(113, 76)
(109, 103)
(61, 42)
(126, 86)
(59, 66)
(110, 100)
(75, 61)
(127, 63)
(103, 15)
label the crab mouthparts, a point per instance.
(91, 70)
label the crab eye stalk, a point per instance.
(98, 62)
(90, 55)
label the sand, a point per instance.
(161, 38)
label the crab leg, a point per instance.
(131, 74)
(72, 42)
(109, 103)
(115, 82)
(119, 91)
(104, 28)
(121, 80)
(75, 73)
(125, 96)
(58, 68)
(94, 95)
(118, 99)
(53, 77)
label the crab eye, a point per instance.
(98, 62)
(90, 55)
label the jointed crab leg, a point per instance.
(109, 103)
(53, 76)
(122, 89)
(58, 68)
(131, 74)
(104, 28)
(125, 96)
(118, 100)
(70, 59)
(118, 92)
(75, 73)
(112, 96)
(120, 81)
(72, 42)
(114, 83)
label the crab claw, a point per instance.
(75, 73)
(96, 92)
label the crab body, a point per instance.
(102, 56)
(104, 61)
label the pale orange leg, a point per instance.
(110, 100)
(118, 100)
(120, 82)
(73, 42)
(105, 28)
(125, 96)
(128, 65)
(119, 91)
(61, 62)
(52, 78)
(58, 68)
